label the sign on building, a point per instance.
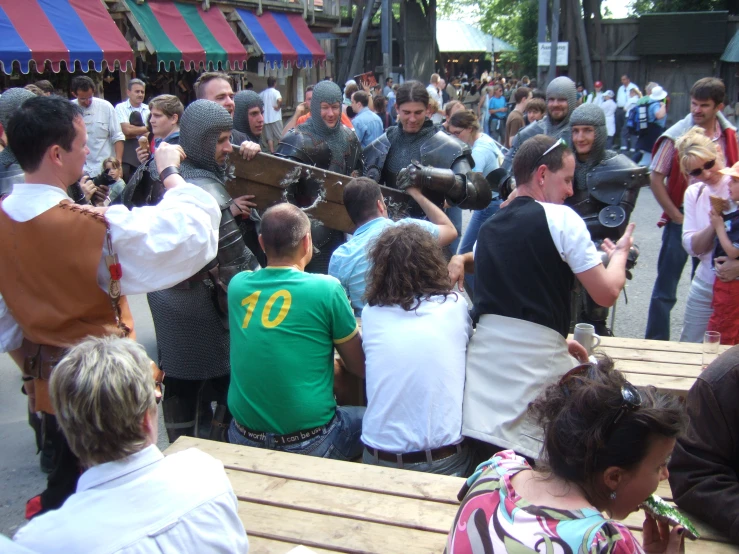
(545, 49)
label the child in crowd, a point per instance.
(112, 167)
(725, 317)
(609, 107)
(536, 108)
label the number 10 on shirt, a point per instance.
(252, 300)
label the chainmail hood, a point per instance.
(200, 126)
(245, 101)
(590, 114)
(10, 101)
(336, 139)
(561, 87)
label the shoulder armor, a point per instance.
(303, 148)
(374, 155)
(215, 189)
(608, 180)
(442, 150)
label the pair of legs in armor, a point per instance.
(188, 408)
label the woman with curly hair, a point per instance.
(415, 332)
(606, 448)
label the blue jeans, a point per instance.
(454, 213)
(670, 265)
(458, 465)
(340, 441)
(470, 237)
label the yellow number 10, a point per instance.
(251, 303)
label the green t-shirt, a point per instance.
(284, 324)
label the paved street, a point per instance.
(21, 478)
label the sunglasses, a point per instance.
(552, 148)
(631, 399)
(706, 166)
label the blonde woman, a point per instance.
(701, 161)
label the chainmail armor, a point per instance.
(10, 101)
(245, 101)
(342, 142)
(590, 114)
(404, 148)
(561, 87)
(201, 125)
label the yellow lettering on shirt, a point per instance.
(286, 301)
(251, 303)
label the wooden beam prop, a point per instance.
(269, 179)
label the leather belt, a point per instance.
(40, 359)
(290, 438)
(418, 457)
(197, 278)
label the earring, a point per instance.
(613, 495)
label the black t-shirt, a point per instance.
(526, 259)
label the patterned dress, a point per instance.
(493, 518)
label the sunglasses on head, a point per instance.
(552, 148)
(631, 398)
(705, 167)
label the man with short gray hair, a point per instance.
(132, 131)
(106, 404)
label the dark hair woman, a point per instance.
(415, 332)
(606, 448)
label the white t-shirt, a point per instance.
(435, 95)
(415, 363)
(270, 97)
(609, 108)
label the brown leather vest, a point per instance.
(48, 279)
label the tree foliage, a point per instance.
(639, 7)
(514, 21)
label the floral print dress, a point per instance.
(493, 518)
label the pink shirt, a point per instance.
(697, 206)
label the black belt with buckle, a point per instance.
(418, 457)
(290, 438)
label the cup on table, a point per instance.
(585, 335)
(711, 342)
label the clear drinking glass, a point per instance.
(711, 342)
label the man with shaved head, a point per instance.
(284, 325)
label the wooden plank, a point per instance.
(700, 546)
(408, 513)
(271, 546)
(673, 385)
(660, 345)
(334, 533)
(661, 356)
(658, 368)
(391, 481)
(268, 177)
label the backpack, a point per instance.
(638, 120)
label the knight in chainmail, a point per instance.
(190, 319)
(417, 153)
(561, 102)
(246, 102)
(328, 145)
(10, 172)
(606, 188)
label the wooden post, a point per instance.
(386, 29)
(583, 43)
(358, 58)
(569, 17)
(346, 61)
(554, 35)
(541, 37)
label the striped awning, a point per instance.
(183, 34)
(60, 31)
(282, 38)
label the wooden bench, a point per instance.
(669, 366)
(287, 500)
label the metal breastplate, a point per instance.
(233, 255)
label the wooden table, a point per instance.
(287, 500)
(669, 366)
